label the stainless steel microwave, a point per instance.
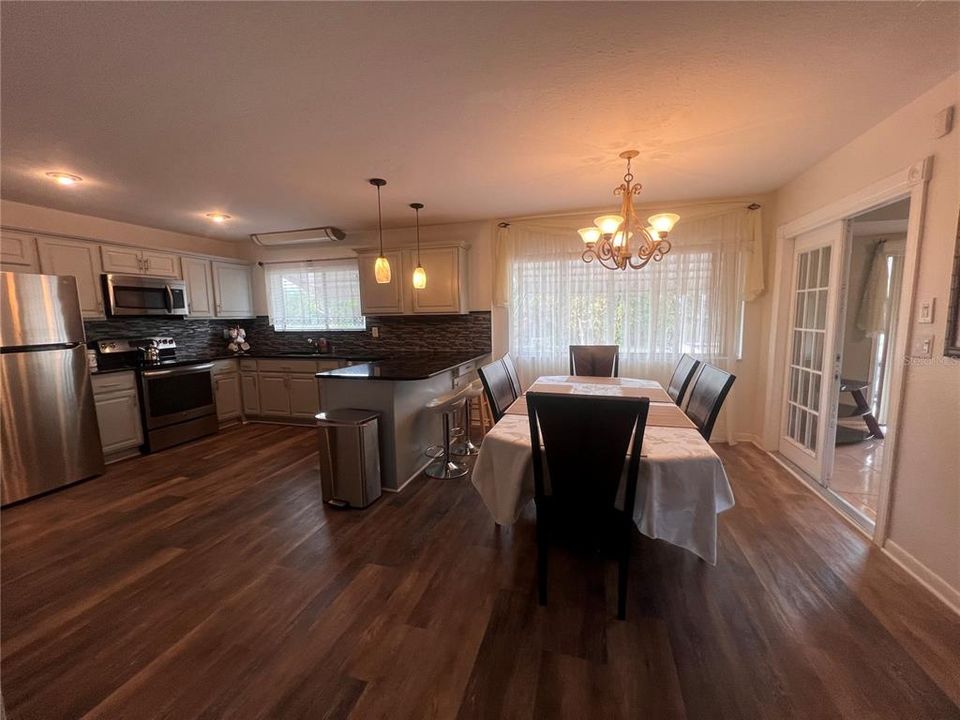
(136, 295)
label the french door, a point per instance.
(809, 418)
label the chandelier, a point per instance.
(609, 241)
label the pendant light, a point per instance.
(419, 275)
(381, 269)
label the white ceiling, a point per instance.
(278, 113)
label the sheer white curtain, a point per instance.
(689, 302)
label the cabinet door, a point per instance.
(18, 252)
(227, 389)
(118, 415)
(443, 291)
(304, 396)
(82, 261)
(122, 260)
(250, 391)
(377, 299)
(160, 264)
(274, 395)
(232, 290)
(196, 273)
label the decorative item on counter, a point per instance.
(320, 345)
(238, 340)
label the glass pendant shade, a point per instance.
(419, 278)
(609, 224)
(590, 234)
(381, 270)
(664, 222)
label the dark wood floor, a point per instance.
(209, 581)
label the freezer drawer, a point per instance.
(50, 432)
(349, 457)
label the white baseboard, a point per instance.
(751, 438)
(924, 575)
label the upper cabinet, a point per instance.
(196, 273)
(82, 261)
(445, 293)
(131, 261)
(446, 290)
(385, 299)
(18, 252)
(232, 290)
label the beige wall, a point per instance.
(925, 520)
(57, 222)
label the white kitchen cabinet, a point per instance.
(274, 394)
(226, 386)
(18, 252)
(82, 261)
(388, 298)
(304, 396)
(196, 273)
(446, 290)
(118, 414)
(133, 261)
(250, 392)
(232, 290)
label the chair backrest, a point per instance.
(498, 388)
(586, 442)
(682, 375)
(706, 397)
(595, 360)
(511, 369)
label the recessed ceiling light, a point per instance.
(63, 178)
(218, 217)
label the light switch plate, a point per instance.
(943, 123)
(922, 346)
(925, 311)
(375, 331)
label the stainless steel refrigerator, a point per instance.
(49, 426)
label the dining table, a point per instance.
(682, 485)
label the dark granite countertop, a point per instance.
(408, 366)
(193, 360)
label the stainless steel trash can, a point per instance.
(349, 457)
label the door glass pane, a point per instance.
(805, 372)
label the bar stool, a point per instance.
(473, 392)
(444, 467)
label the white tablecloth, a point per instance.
(681, 489)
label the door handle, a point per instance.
(168, 299)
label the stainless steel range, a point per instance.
(177, 400)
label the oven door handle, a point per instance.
(177, 371)
(169, 298)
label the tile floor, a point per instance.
(856, 475)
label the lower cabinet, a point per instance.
(250, 392)
(118, 414)
(304, 396)
(274, 395)
(227, 389)
(276, 389)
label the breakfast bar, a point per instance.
(398, 389)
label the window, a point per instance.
(323, 295)
(690, 302)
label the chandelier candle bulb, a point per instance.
(664, 222)
(589, 235)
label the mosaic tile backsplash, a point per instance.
(398, 334)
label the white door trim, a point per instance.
(910, 182)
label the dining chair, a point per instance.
(682, 375)
(706, 397)
(595, 360)
(497, 387)
(512, 372)
(587, 441)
